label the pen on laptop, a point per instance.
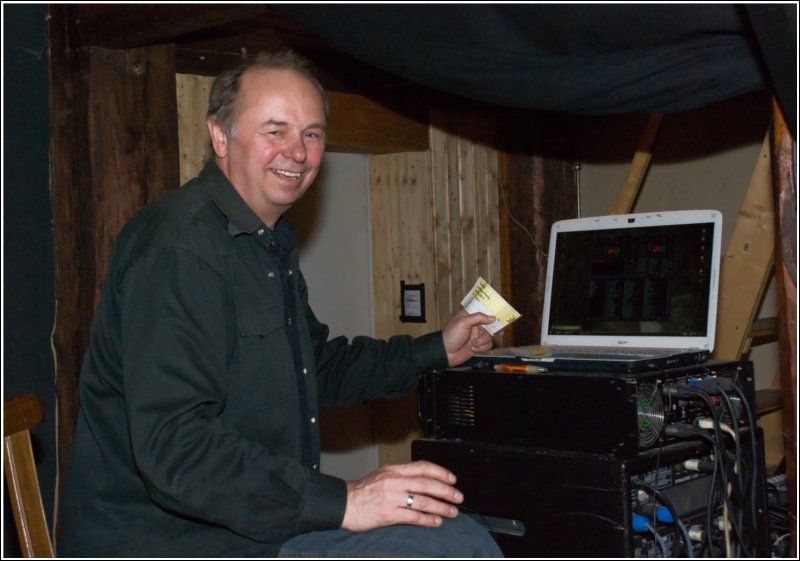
(519, 368)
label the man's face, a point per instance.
(278, 141)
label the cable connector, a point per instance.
(639, 523)
(696, 533)
(698, 465)
(679, 390)
(712, 384)
(681, 430)
(721, 522)
(710, 424)
(662, 513)
(705, 424)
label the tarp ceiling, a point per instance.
(591, 59)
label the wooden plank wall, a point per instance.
(434, 220)
(402, 249)
(465, 200)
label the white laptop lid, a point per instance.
(634, 280)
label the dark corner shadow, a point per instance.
(683, 136)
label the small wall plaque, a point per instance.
(412, 302)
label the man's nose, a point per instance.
(295, 149)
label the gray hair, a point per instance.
(224, 96)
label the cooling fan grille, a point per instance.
(650, 413)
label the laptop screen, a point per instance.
(636, 280)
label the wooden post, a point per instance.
(746, 265)
(114, 149)
(639, 166)
(786, 283)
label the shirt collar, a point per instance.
(241, 218)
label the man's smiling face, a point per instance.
(278, 140)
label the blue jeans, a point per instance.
(461, 537)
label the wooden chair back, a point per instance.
(19, 416)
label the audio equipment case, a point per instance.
(553, 503)
(620, 414)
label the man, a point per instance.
(200, 391)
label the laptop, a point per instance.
(629, 293)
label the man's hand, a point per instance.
(418, 493)
(464, 336)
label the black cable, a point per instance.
(746, 494)
(740, 468)
(689, 391)
(686, 431)
(666, 502)
(736, 439)
(712, 501)
(719, 438)
(738, 492)
(751, 425)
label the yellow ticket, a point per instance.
(484, 298)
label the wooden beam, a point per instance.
(358, 124)
(639, 166)
(72, 225)
(537, 187)
(535, 192)
(125, 26)
(746, 265)
(114, 150)
(763, 328)
(785, 194)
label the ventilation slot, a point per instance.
(461, 406)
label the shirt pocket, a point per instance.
(257, 323)
(266, 373)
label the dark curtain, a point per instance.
(579, 58)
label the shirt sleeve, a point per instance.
(176, 333)
(366, 368)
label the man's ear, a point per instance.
(219, 140)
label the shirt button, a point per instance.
(291, 272)
(313, 420)
(314, 466)
(305, 370)
(290, 321)
(261, 231)
(271, 275)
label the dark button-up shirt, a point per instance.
(198, 434)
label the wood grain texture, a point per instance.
(19, 416)
(114, 149)
(785, 196)
(747, 263)
(401, 251)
